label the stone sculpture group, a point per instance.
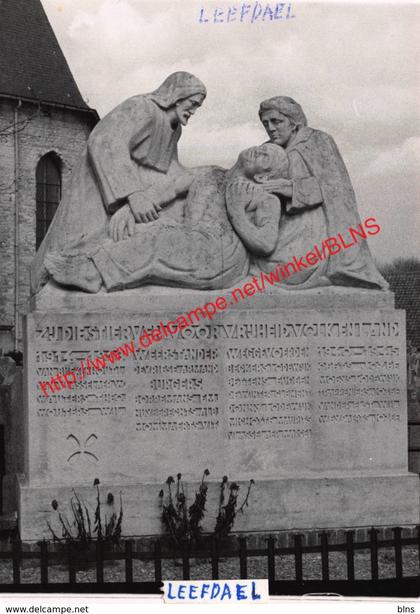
(135, 215)
(302, 388)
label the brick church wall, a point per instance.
(40, 130)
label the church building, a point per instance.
(44, 125)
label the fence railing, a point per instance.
(396, 584)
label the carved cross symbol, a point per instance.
(82, 449)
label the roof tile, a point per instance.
(32, 64)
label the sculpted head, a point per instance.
(180, 95)
(281, 117)
(186, 107)
(264, 162)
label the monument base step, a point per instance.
(274, 505)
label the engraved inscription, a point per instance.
(305, 389)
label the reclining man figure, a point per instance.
(209, 248)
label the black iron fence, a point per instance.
(46, 555)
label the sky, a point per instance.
(354, 68)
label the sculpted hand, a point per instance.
(142, 208)
(183, 183)
(122, 224)
(278, 186)
(239, 193)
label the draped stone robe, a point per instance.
(202, 251)
(323, 205)
(131, 149)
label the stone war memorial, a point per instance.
(266, 343)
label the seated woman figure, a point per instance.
(203, 251)
(318, 202)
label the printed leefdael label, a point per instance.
(216, 591)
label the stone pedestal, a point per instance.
(305, 392)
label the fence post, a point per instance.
(298, 558)
(158, 561)
(374, 553)
(418, 538)
(350, 555)
(16, 557)
(185, 564)
(71, 562)
(129, 561)
(242, 559)
(271, 562)
(44, 562)
(324, 557)
(214, 544)
(99, 562)
(398, 553)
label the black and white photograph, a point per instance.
(209, 302)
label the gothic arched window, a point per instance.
(48, 193)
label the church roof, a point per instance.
(404, 281)
(32, 65)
